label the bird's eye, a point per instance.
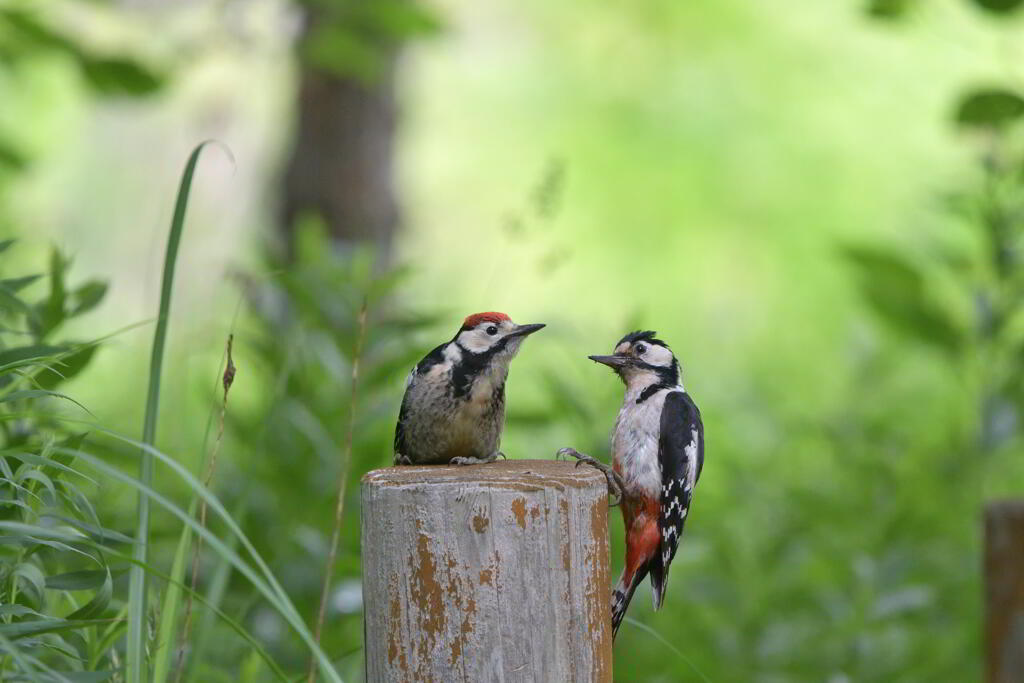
(640, 348)
(492, 330)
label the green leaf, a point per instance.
(86, 579)
(32, 474)
(50, 312)
(397, 20)
(169, 613)
(896, 291)
(10, 158)
(96, 533)
(87, 297)
(22, 629)
(888, 9)
(10, 302)
(989, 108)
(67, 367)
(22, 356)
(342, 52)
(66, 677)
(98, 605)
(135, 654)
(36, 393)
(27, 30)
(32, 578)
(18, 611)
(16, 284)
(119, 76)
(999, 6)
(33, 352)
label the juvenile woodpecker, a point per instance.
(454, 405)
(658, 450)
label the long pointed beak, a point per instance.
(615, 361)
(524, 330)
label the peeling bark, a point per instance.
(494, 572)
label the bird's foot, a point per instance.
(403, 459)
(469, 460)
(616, 487)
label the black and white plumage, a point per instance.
(658, 452)
(453, 410)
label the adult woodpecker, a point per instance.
(658, 449)
(453, 410)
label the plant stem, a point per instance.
(211, 467)
(339, 508)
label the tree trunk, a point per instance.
(1004, 592)
(341, 164)
(493, 572)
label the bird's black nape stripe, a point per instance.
(668, 378)
(643, 335)
(652, 390)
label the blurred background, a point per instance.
(818, 205)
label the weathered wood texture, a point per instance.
(1004, 592)
(494, 572)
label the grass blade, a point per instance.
(661, 639)
(135, 653)
(169, 613)
(268, 585)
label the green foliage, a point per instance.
(27, 35)
(56, 584)
(137, 614)
(298, 355)
(896, 290)
(991, 108)
(357, 39)
(889, 9)
(897, 9)
(999, 6)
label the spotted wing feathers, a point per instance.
(681, 455)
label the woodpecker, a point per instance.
(658, 451)
(453, 410)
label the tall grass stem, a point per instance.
(211, 467)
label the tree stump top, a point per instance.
(523, 474)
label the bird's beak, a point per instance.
(524, 330)
(615, 362)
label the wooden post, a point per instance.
(1004, 592)
(494, 572)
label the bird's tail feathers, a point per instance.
(659, 581)
(623, 593)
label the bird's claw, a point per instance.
(615, 486)
(403, 460)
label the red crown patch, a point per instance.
(489, 316)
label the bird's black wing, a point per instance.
(681, 455)
(430, 360)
